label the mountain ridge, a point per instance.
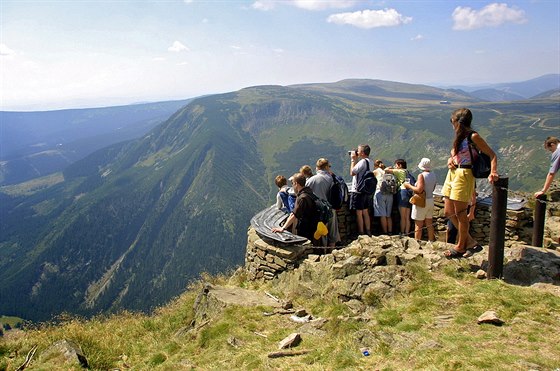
(524, 89)
(133, 223)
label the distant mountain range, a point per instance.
(514, 90)
(34, 144)
(131, 224)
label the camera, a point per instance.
(354, 151)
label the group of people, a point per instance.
(458, 190)
(383, 199)
(303, 218)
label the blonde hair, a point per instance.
(322, 164)
(306, 171)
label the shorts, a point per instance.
(459, 185)
(359, 201)
(403, 197)
(382, 204)
(422, 213)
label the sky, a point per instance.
(77, 53)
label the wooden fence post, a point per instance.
(497, 229)
(538, 220)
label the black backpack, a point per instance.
(367, 183)
(338, 194)
(481, 166)
(323, 207)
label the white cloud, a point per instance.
(278, 50)
(491, 15)
(158, 59)
(5, 51)
(263, 5)
(323, 4)
(178, 47)
(370, 18)
(236, 47)
(417, 38)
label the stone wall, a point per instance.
(265, 259)
(519, 224)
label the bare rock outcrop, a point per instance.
(371, 269)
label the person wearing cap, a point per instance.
(321, 184)
(426, 182)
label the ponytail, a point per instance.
(463, 116)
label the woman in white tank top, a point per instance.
(424, 215)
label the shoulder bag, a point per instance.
(418, 199)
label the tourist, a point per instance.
(460, 182)
(321, 184)
(423, 216)
(403, 195)
(551, 144)
(382, 202)
(360, 164)
(305, 215)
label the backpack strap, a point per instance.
(470, 143)
(367, 169)
(469, 137)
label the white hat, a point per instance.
(425, 164)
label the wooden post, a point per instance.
(538, 220)
(497, 229)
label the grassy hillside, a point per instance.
(432, 324)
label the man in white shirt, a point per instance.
(359, 165)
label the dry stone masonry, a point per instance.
(266, 259)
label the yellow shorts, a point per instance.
(459, 185)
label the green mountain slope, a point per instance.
(132, 232)
(133, 223)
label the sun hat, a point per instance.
(425, 164)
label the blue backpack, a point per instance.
(288, 199)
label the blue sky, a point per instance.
(64, 54)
